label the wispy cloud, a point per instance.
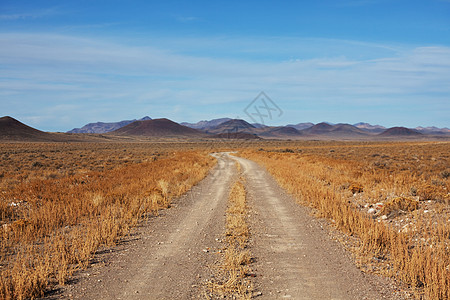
(29, 14)
(45, 70)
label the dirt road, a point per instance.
(170, 257)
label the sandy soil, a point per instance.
(172, 256)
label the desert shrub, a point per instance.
(356, 188)
(426, 192)
(399, 203)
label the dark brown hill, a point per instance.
(157, 128)
(319, 128)
(13, 130)
(348, 129)
(400, 131)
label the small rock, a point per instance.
(379, 205)
(372, 211)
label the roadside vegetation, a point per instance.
(392, 200)
(59, 203)
(235, 266)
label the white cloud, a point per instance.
(52, 70)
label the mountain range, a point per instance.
(213, 126)
(225, 128)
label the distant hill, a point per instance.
(205, 125)
(338, 130)
(233, 125)
(348, 130)
(370, 128)
(319, 128)
(14, 130)
(432, 130)
(301, 126)
(282, 132)
(257, 125)
(157, 128)
(102, 127)
(400, 131)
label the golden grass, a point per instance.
(52, 226)
(237, 257)
(394, 179)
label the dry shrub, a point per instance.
(356, 188)
(399, 203)
(426, 192)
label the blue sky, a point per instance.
(67, 63)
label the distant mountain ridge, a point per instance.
(13, 130)
(233, 125)
(301, 126)
(206, 124)
(369, 127)
(103, 127)
(226, 125)
(432, 130)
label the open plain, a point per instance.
(310, 220)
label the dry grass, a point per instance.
(237, 257)
(53, 225)
(394, 198)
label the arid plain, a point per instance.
(224, 217)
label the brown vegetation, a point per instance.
(392, 199)
(237, 257)
(59, 203)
